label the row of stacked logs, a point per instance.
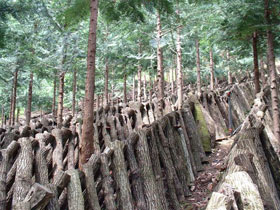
(141, 161)
(251, 180)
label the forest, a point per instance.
(139, 104)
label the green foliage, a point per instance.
(39, 40)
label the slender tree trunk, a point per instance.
(102, 100)
(106, 83)
(179, 70)
(145, 88)
(54, 96)
(139, 76)
(3, 116)
(150, 91)
(18, 111)
(74, 92)
(133, 89)
(256, 63)
(172, 81)
(124, 90)
(60, 100)
(212, 78)
(160, 73)
(139, 92)
(97, 102)
(262, 72)
(11, 105)
(273, 75)
(29, 101)
(112, 88)
(198, 68)
(14, 98)
(229, 72)
(87, 144)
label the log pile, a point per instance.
(251, 180)
(141, 161)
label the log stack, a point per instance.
(141, 162)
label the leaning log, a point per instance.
(24, 171)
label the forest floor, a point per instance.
(207, 179)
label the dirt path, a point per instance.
(208, 178)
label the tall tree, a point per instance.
(74, 89)
(179, 70)
(212, 75)
(29, 101)
(87, 145)
(198, 80)
(272, 68)
(256, 63)
(160, 72)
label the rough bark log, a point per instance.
(107, 182)
(38, 196)
(121, 177)
(145, 165)
(91, 192)
(24, 171)
(74, 195)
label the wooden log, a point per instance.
(38, 196)
(150, 189)
(136, 179)
(5, 156)
(107, 184)
(121, 177)
(61, 180)
(178, 157)
(164, 141)
(41, 166)
(96, 139)
(91, 192)
(57, 158)
(74, 194)
(113, 130)
(24, 171)
(194, 143)
(22, 206)
(169, 169)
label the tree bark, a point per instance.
(3, 117)
(139, 76)
(145, 88)
(54, 96)
(198, 85)
(23, 171)
(106, 88)
(74, 92)
(229, 72)
(160, 74)
(60, 100)
(124, 89)
(212, 78)
(29, 102)
(87, 147)
(273, 75)
(179, 71)
(133, 89)
(262, 72)
(13, 99)
(256, 63)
